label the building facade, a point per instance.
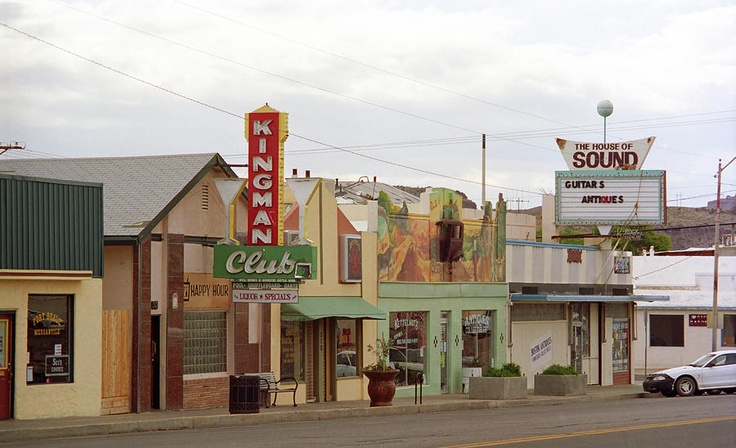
(51, 268)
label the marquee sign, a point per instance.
(264, 264)
(610, 197)
(266, 130)
(605, 156)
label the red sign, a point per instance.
(265, 174)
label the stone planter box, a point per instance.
(498, 388)
(560, 384)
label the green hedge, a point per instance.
(557, 369)
(508, 369)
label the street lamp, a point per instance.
(715, 255)
(605, 109)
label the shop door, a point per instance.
(621, 374)
(443, 352)
(6, 364)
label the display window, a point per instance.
(408, 345)
(293, 354)
(478, 346)
(50, 330)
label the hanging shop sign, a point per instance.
(266, 130)
(610, 197)
(265, 263)
(605, 156)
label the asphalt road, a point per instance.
(646, 422)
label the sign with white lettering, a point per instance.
(266, 130)
(610, 197)
(57, 365)
(265, 263)
(605, 156)
(266, 295)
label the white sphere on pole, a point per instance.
(605, 108)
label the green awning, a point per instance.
(313, 308)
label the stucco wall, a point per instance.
(83, 396)
(117, 289)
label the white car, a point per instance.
(712, 373)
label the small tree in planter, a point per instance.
(381, 375)
(560, 380)
(504, 383)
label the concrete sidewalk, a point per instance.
(20, 430)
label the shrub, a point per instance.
(557, 369)
(508, 369)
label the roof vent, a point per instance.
(205, 196)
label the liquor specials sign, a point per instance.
(266, 130)
(245, 294)
(605, 156)
(610, 197)
(259, 263)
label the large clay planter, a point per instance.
(381, 386)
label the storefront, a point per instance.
(51, 312)
(438, 329)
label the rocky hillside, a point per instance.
(688, 227)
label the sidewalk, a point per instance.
(18, 430)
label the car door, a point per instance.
(720, 372)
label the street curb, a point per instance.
(44, 430)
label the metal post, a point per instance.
(483, 193)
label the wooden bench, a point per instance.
(271, 386)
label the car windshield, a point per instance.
(703, 360)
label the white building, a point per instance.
(678, 331)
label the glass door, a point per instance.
(443, 351)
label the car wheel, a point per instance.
(714, 392)
(669, 393)
(685, 386)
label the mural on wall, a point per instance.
(408, 244)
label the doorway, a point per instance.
(621, 373)
(6, 366)
(444, 318)
(155, 362)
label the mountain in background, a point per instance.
(687, 227)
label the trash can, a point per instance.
(244, 394)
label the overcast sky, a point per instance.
(397, 90)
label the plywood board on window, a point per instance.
(117, 339)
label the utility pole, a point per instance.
(483, 169)
(4, 146)
(715, 255)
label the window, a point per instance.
(205, 342)
(50, 330)
(478, 347)
(292, 350)
(347, 347)
(408, 342)
(728, 335)
(666, 330)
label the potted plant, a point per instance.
(504, 383)
(560, 380)
(381, 375)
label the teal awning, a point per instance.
(585, 298)
(313, 308)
